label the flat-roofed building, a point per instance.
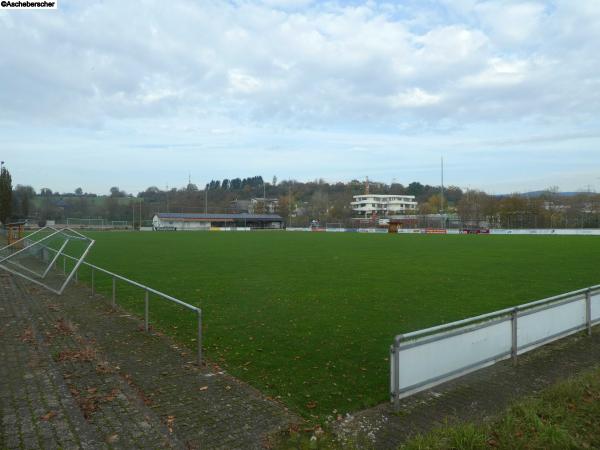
(185, 221)
(383, 205)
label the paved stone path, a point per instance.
(475, 397)
(36, 407)
(79, 375)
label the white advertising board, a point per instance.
(539, 327)
(430, 362)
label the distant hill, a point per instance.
(534, 194)
(560, 194)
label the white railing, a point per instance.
(426, 358)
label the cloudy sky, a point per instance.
(103, 93)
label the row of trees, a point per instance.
(301, 202)
(547, 209)
(235, 184)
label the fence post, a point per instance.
(92, 281)
(146, 308)
(199, 316)
(392, 373)
(514, 346)
(588, 311)
(396, 372)
(114, 292)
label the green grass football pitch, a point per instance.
(308, 318)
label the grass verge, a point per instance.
(564, 416)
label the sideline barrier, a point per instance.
(341, 230)
(372, 230)
(425, 358)
(147, 291)
(505, 231)
(549, 231)
(498, 231)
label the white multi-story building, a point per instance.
(383, 205)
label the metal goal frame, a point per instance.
(26, 243)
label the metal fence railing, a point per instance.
(74, 272)
(428, 357)
(148, 290)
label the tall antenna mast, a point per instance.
(367, 187)
(442, 189)
(290, 204)
(167, 195)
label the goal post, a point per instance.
(35, 257)
(86, 223)
(119, 224)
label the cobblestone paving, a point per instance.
(475, 397)
(36, 408)
(135, 389)
(106, 400)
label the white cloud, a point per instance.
(513, 23)
(500, 72)
(185, 67)
(414, 98)
(312, 64)
(242, 82)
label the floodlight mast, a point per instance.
(442, 196)
(290, 204)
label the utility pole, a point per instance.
(290, 204)
(167, 198)
(206, 199)
(442, 197)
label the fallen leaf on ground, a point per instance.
(170, 422)
(49, 415)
